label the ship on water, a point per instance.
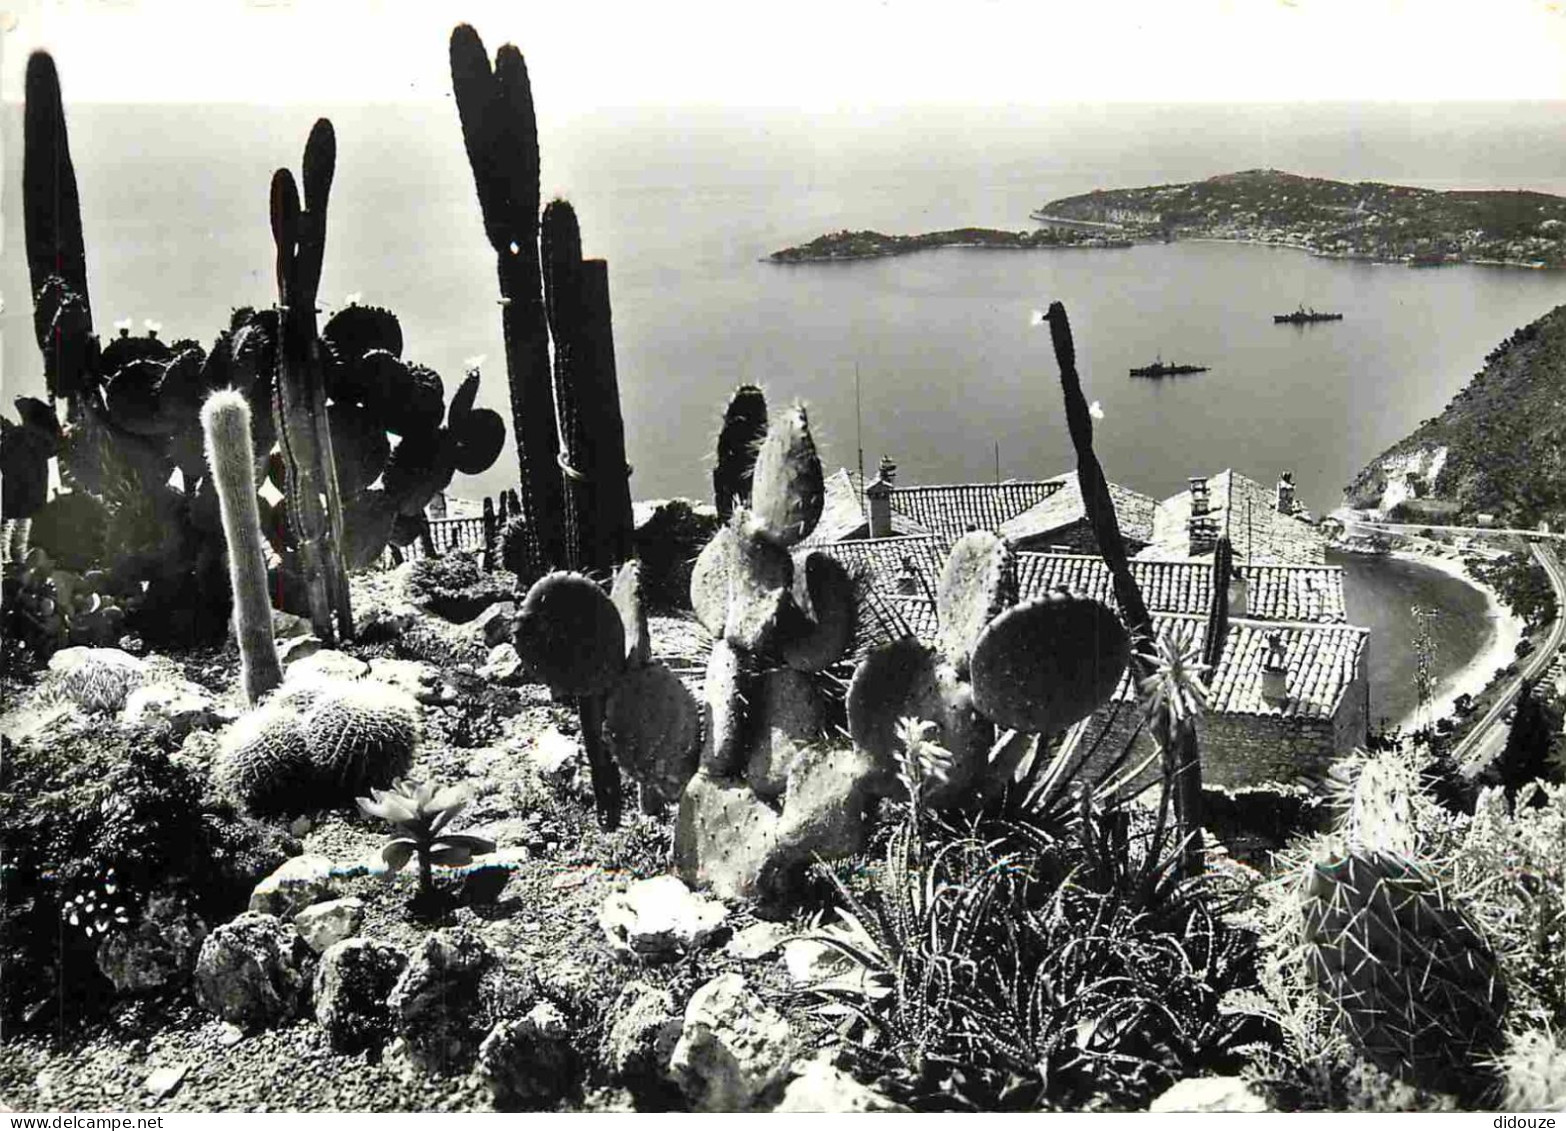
(1304, 317)
(1159, 369)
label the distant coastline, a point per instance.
(846, 246)
(1367, 221)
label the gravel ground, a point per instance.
(547, 913)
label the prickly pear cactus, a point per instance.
(1034, 668)
(770, 793)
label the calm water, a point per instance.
(1380, 594)
(684, 205)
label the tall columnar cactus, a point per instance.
(587, 397)
(314, 503)
(501, 134)
(225, 421)
(1177, 738)
(1407, 971)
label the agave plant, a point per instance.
(420, 813)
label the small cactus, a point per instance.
(420, 813)
(225, 421)
(98, 679)
(362, 734)
(264, 762)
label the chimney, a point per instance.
(908, 579)
(1286, 503)
(1204, 534)
(1201, 501)
(878, 499)
(1275, 670)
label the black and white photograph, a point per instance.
(846, 556)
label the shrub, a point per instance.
(90, 807)
(455, 587)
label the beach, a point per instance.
(1500, 649)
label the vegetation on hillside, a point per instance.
(1365, 219)
(1504, 436)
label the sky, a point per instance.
(812, 55)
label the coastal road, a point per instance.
(1487, 739)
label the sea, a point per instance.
(932, 358)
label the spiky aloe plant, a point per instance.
(420, 813)
(1415, 985)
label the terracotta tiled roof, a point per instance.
(1322, 660)
(1247, 512)
(892, 616)
(952, 510)
(843, 515)
(1277, 592)
(882, 558)
(1065, 508)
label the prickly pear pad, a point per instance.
(978, 582)
(788, 492)
(570, 633)
(1049, 663)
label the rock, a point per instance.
(252, 971)
(163, 1081)
(352, 985)
(185, 706)
(418, 679)
(503, 666)
(640, 1042)
(757, 941)
(326, 664)
(301, 881)
(527, 1062)
(494, 623)
(229, 1035)
(450, 995)
(734, 1049)
(658, 919)
(297, 648)
(555, 756)
(823, 1087)
(286, 626)
(301, 825)
(159, 952)
(326, 924)
(1211, 1094)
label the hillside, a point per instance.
(1364, 220)
(1499, 448)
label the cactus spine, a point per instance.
(500, 132)
(225, 424)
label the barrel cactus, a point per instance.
(1414, 984)
(264, 762)
(362, 735)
